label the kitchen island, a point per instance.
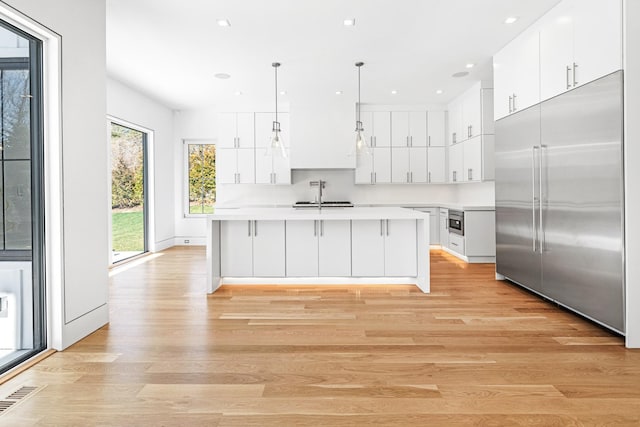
(318, 246)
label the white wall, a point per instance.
(131, 106)
(202, 125)
(81, 301)
(632, 172)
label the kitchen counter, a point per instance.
(455, 206)
(360, 213)
(359, 245)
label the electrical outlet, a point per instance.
(4, 307)
(186, 241)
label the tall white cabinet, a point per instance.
(408, 147)
(573, 44)
(471, 139)
(242, 143)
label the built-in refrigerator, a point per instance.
(559, 200)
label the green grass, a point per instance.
(127, 229)
(199, 209)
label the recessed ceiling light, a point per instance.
(470, 65)
(222, 76)
(511, 20)
(223, 23)
(460, 74)
(351, 22)
(283, 92)
(338, 92)
(393, 92)
(238, 93)
(439, 91)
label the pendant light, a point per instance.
(362, 147)
(276, 146)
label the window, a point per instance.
(22, 302)
(201, 177)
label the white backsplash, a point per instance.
(340, 186)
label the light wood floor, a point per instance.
(473, 352)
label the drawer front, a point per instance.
(456, 243)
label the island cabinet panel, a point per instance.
(302, 248)
(400, 248)
(252, 248)
(268, 249)
(367, 248)
(334, 248)
(236, 249)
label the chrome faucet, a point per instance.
(320, 184)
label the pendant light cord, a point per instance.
(276, 67)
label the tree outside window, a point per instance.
(202, 178)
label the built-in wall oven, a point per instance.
(456, 222)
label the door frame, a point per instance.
(149, 187)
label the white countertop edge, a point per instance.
(356, 213)
(378, 205)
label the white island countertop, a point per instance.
(331, 213)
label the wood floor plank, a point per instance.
(474, 352)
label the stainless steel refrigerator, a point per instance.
(559, 200)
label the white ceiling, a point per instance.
(171, 49)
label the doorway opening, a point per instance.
(129, 192)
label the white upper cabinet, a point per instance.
(382, 165)
(364, 169)
(516, 71)
(235, 130)
(472, 112)
(377, 127)
(409, 129)
(235, 166)
(409, 165)
(456, 163)
(436, 127)
(580, 41)
(455, 121)
(436, 165)
(264, 126)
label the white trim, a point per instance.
(319, 281)
(192, 241)
(149, 175)
(164, 244)
(185, 174)
(53, 178)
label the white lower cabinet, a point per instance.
(318, 248)
(444, 228)
(456, 243)
(252, 248)
(384, 248)
(367, 246)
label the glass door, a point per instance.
(129, 217)
(22, 302)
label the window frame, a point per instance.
(185, 174)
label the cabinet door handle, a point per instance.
(387, 226)
(321, 227)
(408, 177)
(575, 82)
(510, 102)
(429, 140)
(375, 177)
(315, 228)
(249, 228)
(454, 176)
(382, 227)
(515, 108)
(429, 176)
(568, 71)
(411, 175)
(411, 140)
(453, 138)
(255, 228)
(470, 174)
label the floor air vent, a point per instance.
(15, 397)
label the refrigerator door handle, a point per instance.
(534, 229)
(541, 226)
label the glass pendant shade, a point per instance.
(276, 148)
(362, 146)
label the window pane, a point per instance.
(202, 172)
(16, 135)
(17, 204)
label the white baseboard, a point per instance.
(164, 244)
(189, 241)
